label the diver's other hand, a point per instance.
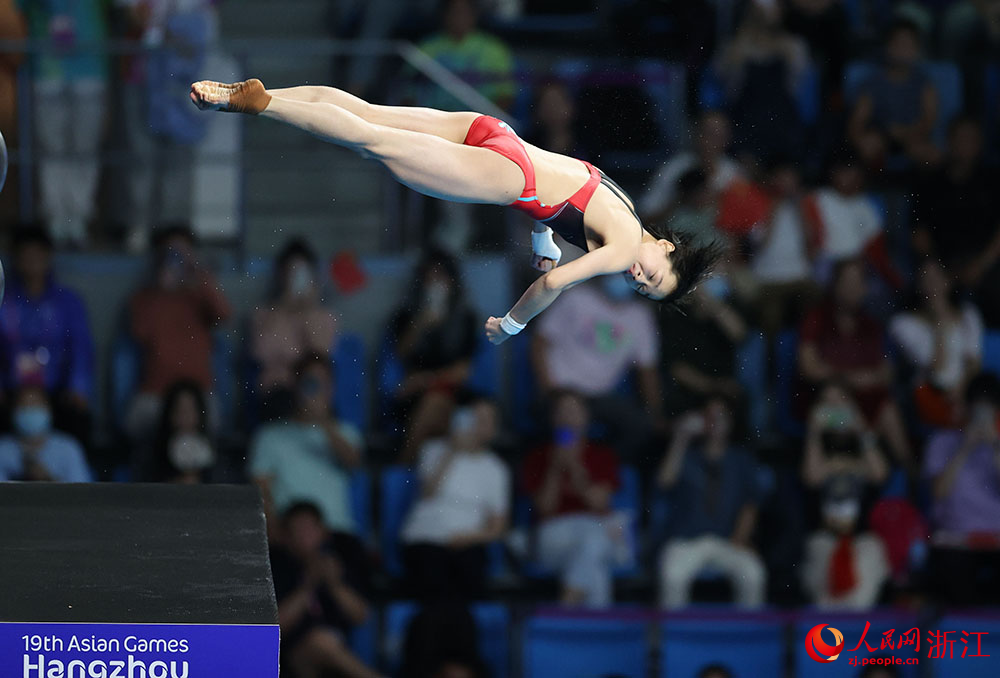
(494, 332)
(543, 264)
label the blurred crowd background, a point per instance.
(195, 298)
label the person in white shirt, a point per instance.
(711, 137)
(464, 505)
(943, 340)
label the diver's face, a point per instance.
(652, 275)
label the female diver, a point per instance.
(468, 157)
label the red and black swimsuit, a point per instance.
(566, 217)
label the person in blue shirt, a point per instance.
(36, 451)
(45, 336)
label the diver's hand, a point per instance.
(543, 264)
(494, 332)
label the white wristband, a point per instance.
(543, 245)
(511, 326)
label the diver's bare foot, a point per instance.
(248, 96)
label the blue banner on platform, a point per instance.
(42, 650)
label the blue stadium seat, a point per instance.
(398, 490)
(364, 639)
(582, 647)
(852, 626)
(484, 376)
(522, 385)
(350, 395)
(224, 378)
(786, 368)
(361, 503)
(751, 371)
(750, 647)
(493, 627)
(969, 666)
(991, 351)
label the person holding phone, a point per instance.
(962, 467)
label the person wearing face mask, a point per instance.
(844, 568)
(591, 340)
(184, 452)
(714, 497)
(309, 457)
(293, 323)
(464, 504)
(171, 319)
(434, 336)
(36, 451)
(571, 481)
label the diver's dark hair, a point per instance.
(692, 263)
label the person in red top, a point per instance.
(571, 481)
(172, 318)
(839, 339)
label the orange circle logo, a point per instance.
(818, 649)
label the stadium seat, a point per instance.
(968, 666)
(350, 395)
(852, 626)
(751, 371)
(361, 503)
(585, 647)
(786, 368)
(398, 489)
(749, 647)
(991, 351)
(522, 385)
(493, 627)
(364, 639)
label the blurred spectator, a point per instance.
(970, 36)
(571, 481)
(699, 349)
(943, 339)
(160, 123)
(761, 68)
(711, 138)
(845, 224)
(878, 671)
(840, 340)
(896, 109)
(839, 444)
(442, 641)
(293, 323)
(695, 209)
(590, 340)
(844, 568)
(319, 599)
(172, 318)
(309, 457)
(715, 671)
(36, 451)
(184, 452)
(480, 59)
(45, 335)
(69, 108)
(12, 27)
(963, 468)
(823, 24)
(464, 505)
(784, 247)
(554, 121)
(435, 334)
(714, 496)
(956, 214)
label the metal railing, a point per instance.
(24, 156)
